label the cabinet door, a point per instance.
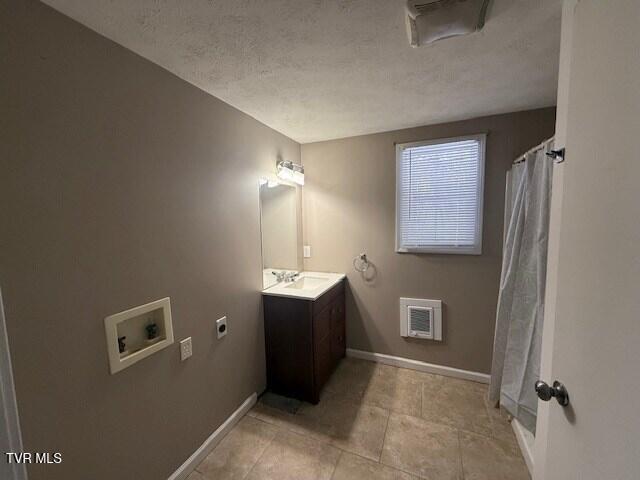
(323, 365)
(289, 346)
(322, 325)
(338, 341)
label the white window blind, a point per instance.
(439, 195)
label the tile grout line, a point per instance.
(203, 474)
(384, 436)
(491, 421)
(315, 439)
(342, 450)
(335, 467)
(460, 453)
(421, 397)
(303, 433)
(263, 451)
(361, 401)
(393, 467)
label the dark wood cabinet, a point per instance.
(305, 340)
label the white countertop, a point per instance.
(307, 286)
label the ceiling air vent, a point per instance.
(432, 20)
(421, 318)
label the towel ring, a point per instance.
(360, 263)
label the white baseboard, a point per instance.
(214, 439)
(418, 365)
(526, 446)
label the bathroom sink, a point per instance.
(307, 283)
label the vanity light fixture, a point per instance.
(291, 172)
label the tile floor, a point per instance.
(373, 422)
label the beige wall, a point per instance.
(279, 226)
(121, 184)
(349, 207)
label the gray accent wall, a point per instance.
(349, 207)
(121, 184)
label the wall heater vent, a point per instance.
(420, 321)
(421, 318)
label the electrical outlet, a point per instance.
(186, 349)
(306, 251)
(221, 327)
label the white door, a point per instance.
(10, 439)
(595, 335)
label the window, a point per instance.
(439, 190)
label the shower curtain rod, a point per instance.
(523, 157)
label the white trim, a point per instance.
(525, 447)
(214, 439)
(450, 249)
(420, 366)
(9, 419)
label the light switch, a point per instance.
(186, 349)
(306, 251)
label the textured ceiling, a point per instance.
(320, 69)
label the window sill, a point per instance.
(444, 250)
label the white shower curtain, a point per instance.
(516, 350)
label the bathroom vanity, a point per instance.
(304, 314)
(304, 333)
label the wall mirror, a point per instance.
(280, 225)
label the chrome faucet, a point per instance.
(286, 277)
(279, 275)
(290, 276)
